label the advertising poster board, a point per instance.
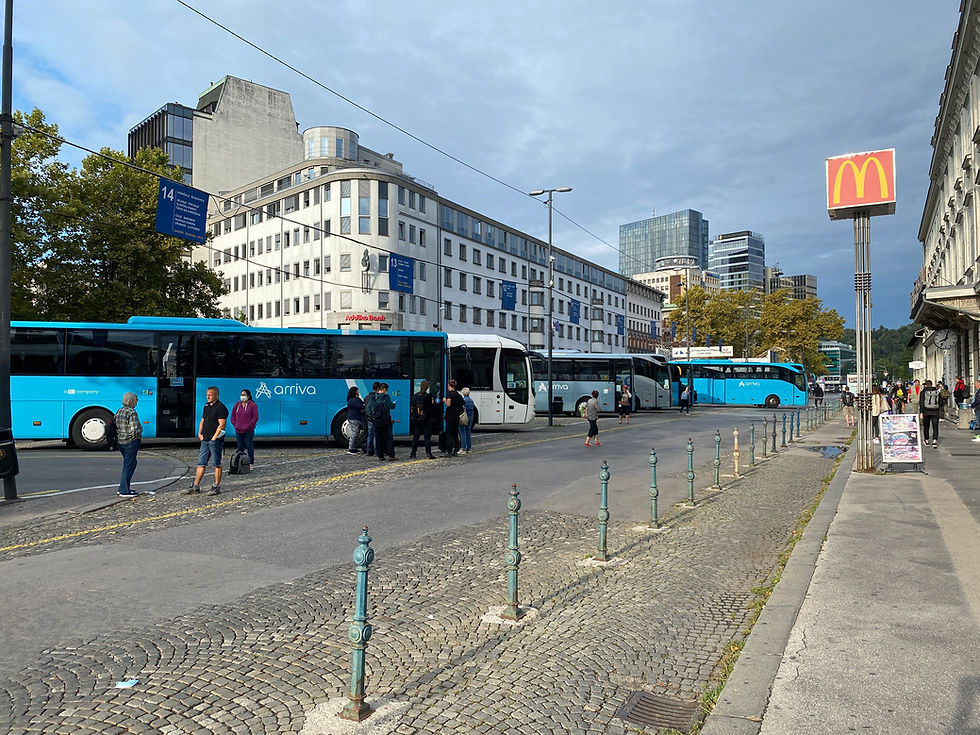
(900, 438)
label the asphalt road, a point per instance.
(160, 570)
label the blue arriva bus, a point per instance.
(736, 382)
(574, 375)
(68, 378)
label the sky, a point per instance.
(642, 107)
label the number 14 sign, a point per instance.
(182, 211)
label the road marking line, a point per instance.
(53, 493)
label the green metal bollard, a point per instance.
(774, 433)
(690, 471)
(784, 431)
(717, 461)
(601, 554)
(359, 632)
(513, 559)
(752, 444)
(735, 451)
(765, 437)
(797, 424)
(654, 492)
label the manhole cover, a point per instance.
(659, 711)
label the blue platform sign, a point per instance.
(620, 324)
(401, 273)
(508, 295)
(574, 311)
(653, 329)
(182, 211)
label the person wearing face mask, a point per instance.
(244, 417)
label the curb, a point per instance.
(745, 698)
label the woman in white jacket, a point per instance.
(878, 406)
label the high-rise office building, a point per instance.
(238, 132)
(678, 233)
(739, 259)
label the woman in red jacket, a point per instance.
(244, 417)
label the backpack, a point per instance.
(239, 464)
(930, 400)
(369, 408)
(900, 393)
(112, 435)
(380, 413)
(417, 406)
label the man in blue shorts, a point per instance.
(211, 432)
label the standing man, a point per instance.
(368, 417)
(211, 432)
(384, 439)
(913, 397)
(930, 409)
(130, 437)
(847, 401)
(975, 405)
(817, 395)
(454, 408)
(421, 410)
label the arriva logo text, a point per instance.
(749, 383)
(264, 391)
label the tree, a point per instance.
(94, 254)
(794, 328)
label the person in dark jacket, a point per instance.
(930, 409)
(454, 408)
(244, 417)
(975, 405)
(368, 412)
(421, 411)
(384, 439)
(355, 419)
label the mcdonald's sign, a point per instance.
(861, 182)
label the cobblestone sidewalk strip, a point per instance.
(658, 621)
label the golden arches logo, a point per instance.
(859, 176)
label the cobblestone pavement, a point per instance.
(659, 620)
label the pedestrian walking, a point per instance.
(879, 405)
(384, 438)
(130, 437)
(847, 401)
(899, 396)
(818, 394)
(930, 409)
(421, 413)
(355, 419)
(685, 399)
(244, 417)
(975, 405)
(959, 391)
(625, 403)
(368, 417)
(591, 414)
(466, 426)
(912, 401)
(454, 409)
(211, 432)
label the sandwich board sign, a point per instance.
(901, 439)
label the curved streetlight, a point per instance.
(551, 285)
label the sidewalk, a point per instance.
(874, 625)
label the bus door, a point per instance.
(176, 412)
(513, 373)
(624, 376)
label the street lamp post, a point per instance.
(551, 285)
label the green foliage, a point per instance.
(84, 242)
(753, 324)
(889, 350)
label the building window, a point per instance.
(501, 320)
(489, 317)
(421, 202)
(344, 262)
(383, 208)
(326, 263)
(490, 288)
(462, 312)
(477, 258)
(316, 302)
(411, 234)
(421, 270)
(346, 299)
(537, 325)
(462, 281)
(490, 261)
(383, 299)
(401, 231)
(364, 207)
(447, 246)
(421, 237)
(345, 207)
(382, 264)
(477, 317)
(476, 285)
(462, 251)
(448, 311)
(502, 266)
(306, 268)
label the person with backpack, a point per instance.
(847, 401)
(930, 409)
(244, 417)
(384, 439)
(454, 409)
(420, 411)
(466, 424)
(685, 399)
(355, 419)
(129, 432)
(369, 418)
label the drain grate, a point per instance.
(656, 710)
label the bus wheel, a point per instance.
(340, 429)
(88, 430)
(772, 401)
(580, 407)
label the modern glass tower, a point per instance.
(739, 259)
(678, 233)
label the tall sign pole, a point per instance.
(860, 186)
(8, 456)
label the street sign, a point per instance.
(182, 211)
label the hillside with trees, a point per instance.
(889, 350)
